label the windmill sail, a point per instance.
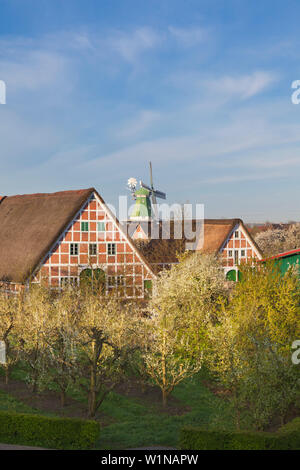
(143, 208)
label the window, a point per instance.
(120, 280)
(236, 234)
(113, 281)
(243, 253)
(68, 281)
(111, 248)
(236, 257)
(101, 226)
(92, 249)
(84, 226)
(73, 249)
(230, 253)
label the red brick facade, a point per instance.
(95, 239)
(238, 249)
(237, 246)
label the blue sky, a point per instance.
(97, 88)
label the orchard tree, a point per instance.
(107, 333)
(60, 336)
(168, 358)
(278, 240)
(225, 359)
(186, 300)
(192, 292)
(267, 303)
(10, 313)
(32, 331)
(251, 344)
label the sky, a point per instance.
(97, 88)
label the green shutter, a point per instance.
(101, 227)
(84, 226)
(147, 288)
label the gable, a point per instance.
(102, 229)
(240, 248)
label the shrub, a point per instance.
(287, 437)
(55, 433)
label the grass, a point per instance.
(139, 426)
(9, 403)
(136, 424)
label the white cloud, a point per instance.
(140, 123)
(32, 70)
(188, 37)
(24, 141)
(244, 86)
(241, 149)
(130, 45)
(240, 178)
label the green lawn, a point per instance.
(9, 403)
(136, 424)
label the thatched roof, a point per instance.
(29, 225)
(166, 250)
(216, 231)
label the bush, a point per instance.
(287, 437)
(55, 433)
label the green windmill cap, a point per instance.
(141, 192)
(142, 208)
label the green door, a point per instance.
(93, 278)
(147, 288)
(231, 275)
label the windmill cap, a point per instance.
(142, 192)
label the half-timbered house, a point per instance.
(161, 242)
(59, 238)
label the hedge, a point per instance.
(53, 433)
(195, 438)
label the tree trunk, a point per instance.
(92, 392)
(92, 404)
(62, 398)
(237, 412)
(164, 397)
(35, 382)
(6, 375)
(238, 420)
(34, 386)
(164, 375)
(143, 386)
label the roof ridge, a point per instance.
(56, 193)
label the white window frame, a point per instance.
(75, 248)
(94, 245)
(69, 281)
(110, 248)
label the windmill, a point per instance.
(143, 196)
